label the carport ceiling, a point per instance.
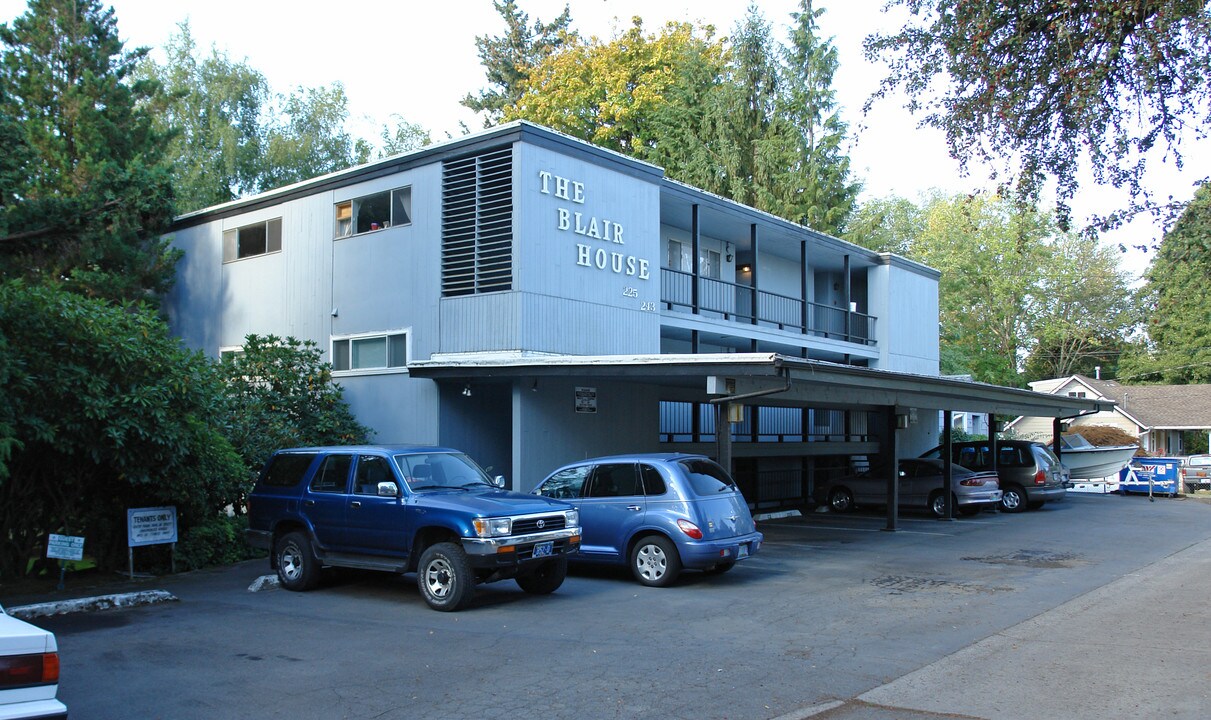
(789, 381)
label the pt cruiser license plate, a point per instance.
(543, 549)
(742, 551)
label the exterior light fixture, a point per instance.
(467, 390)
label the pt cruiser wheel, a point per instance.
(655, 562)
(444, 577)
(298, 568)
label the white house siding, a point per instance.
(1033, 428)
(1112, 419)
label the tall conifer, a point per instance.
(87, 194)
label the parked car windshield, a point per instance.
(706, 477)
(428, 471)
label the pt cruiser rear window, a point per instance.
(706, 477)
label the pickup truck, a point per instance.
(396, 508)
(1195, 472)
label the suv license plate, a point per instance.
(543, 549)
(742, 551)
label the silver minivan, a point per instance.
(1029, 471)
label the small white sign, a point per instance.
(586, 399)
(65, 547)
(151, 526)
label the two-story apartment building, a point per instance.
(534, 299)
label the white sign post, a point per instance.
(151, 526)
(64, 547)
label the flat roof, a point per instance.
(776, 379)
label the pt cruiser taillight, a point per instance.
(690, 529)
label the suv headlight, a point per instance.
(493, 527)
(571, 518)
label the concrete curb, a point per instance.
(777, 515)
(101, 602)
(264, 582)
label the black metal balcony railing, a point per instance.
(742, 303)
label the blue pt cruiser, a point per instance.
(657, 513)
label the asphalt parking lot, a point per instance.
(1095, 607)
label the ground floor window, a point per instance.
(370, 352)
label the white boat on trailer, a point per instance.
(1094, 468)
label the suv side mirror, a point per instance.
(388, 489)
(499, 481)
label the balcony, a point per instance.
(746, 305)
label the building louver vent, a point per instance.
(477, 223)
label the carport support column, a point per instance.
(723, 435)
(1057, 428)
(947, 464)
(891, 459)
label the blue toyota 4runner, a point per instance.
(427, 510)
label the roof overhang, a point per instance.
(776, 379)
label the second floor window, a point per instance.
(374, 212)
(252, 240)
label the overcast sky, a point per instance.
(418, 59)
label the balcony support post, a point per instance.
(694, 262)
(803, 286)
(752, 232)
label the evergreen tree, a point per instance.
(755, 144)
(509, 58)
(827, 197)
(86, 191)
(1177, 302)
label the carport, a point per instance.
(729, 380)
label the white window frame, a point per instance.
(345, 343)
(399, 206)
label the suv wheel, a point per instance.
(298, 568)
(1013, 499)
(444, 577)
(655, 562)
(544, 579)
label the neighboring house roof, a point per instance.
(1159, 407)
(1151, 407)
